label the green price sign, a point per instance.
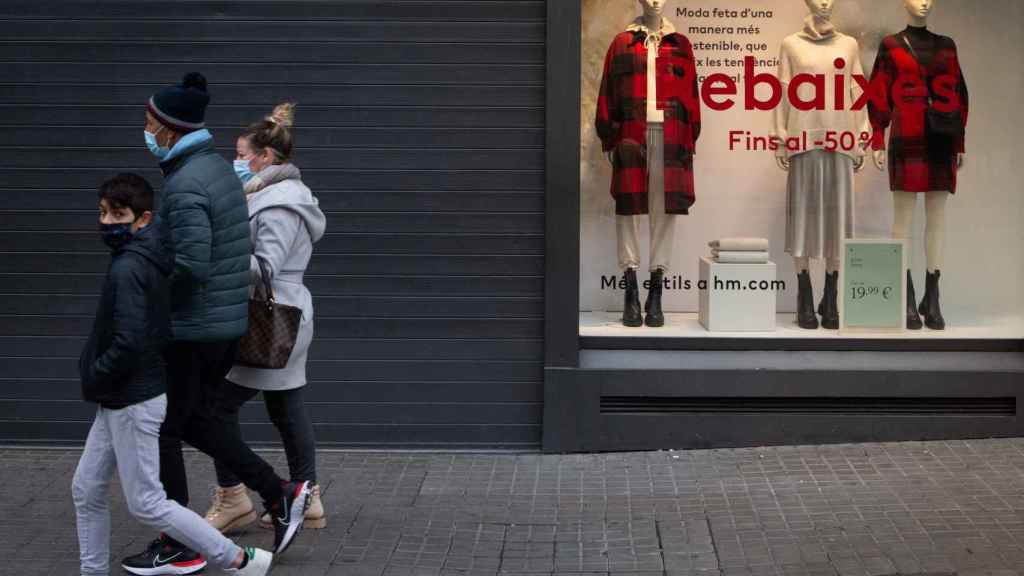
(874, 273)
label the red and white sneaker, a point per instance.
(164, 556)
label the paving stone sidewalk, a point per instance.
(937, 508)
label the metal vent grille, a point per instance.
(810, 405)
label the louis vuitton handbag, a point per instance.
(273, 328)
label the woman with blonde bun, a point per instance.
(285, 221)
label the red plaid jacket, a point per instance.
(918, 162)
(622, 119)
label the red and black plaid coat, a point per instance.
(918, 161)
(622, 119)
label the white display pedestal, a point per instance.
(738, 298)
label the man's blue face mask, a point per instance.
(159, 151)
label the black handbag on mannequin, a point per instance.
(939, 123)
(273, 328)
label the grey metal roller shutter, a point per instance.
(420, 127)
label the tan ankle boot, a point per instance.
(231, 509)
(315, 518)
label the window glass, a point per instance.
(756, 135)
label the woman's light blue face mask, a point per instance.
(159, 151)
(243, 171)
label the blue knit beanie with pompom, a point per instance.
(182, 108)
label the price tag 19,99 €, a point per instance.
(873, 285)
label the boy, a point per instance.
(123, 371)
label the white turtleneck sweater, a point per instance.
(814, 50)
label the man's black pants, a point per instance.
(195, 382)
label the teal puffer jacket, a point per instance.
(203, 206)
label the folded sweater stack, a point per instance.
(740, 250)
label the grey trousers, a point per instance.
(662, 226)
(127, 440)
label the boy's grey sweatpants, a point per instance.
(128, 440)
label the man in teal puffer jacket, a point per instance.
(204, 212)
(205, 209)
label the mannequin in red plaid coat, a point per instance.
(919, 161)
(622, 124)
(648, 119)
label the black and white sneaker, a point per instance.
(289, 513)
(164, 556)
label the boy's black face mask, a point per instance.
(116, 235)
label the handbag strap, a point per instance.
(924, 72)
(268, 289)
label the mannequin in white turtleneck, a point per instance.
(818, 27)
(819, 187)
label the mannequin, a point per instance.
(919, 160)
(820, 204)
(648, 119)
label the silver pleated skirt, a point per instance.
(819, 204)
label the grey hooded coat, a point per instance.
(285, 221)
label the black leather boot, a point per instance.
(631, 311)
(913, 318)
(821, 303)
(805, 317)
(930, 303)
(829, 305)
(653, 316)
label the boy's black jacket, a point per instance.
(122, 363)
